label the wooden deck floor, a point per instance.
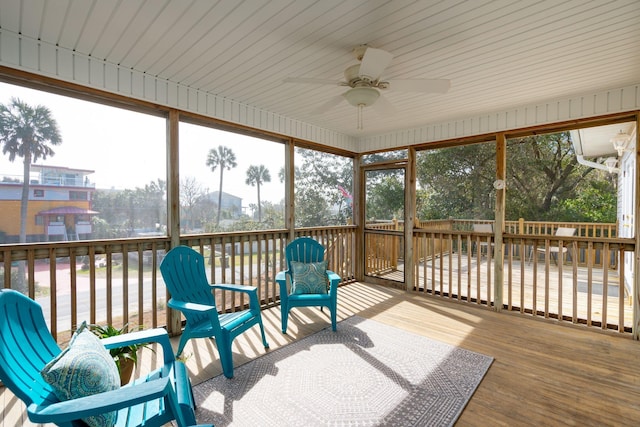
(544, 373)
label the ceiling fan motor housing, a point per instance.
(352, 75)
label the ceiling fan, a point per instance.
(365, 82)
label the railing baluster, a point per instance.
(621, 291)
(589, 286)
(141, 285)
(53, 293)
(109, 257)
(91, 261)
(534, 257)
(154, 286)
(605, 285)
(560, 262)
(125, 285)
(73, 286)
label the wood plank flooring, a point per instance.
(544, 373)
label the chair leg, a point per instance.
(285, 319)
(226, 355)
(264, 337)
(284, 313)
(183, 341)
(333, 318)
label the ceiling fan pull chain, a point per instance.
(360, 110)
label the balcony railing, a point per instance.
(586, 284)
(118, 281)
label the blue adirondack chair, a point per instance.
(183, 271)
(306, 250)
(26, 346)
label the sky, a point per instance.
(127, 149)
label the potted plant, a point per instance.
(126, 357)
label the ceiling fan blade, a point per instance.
(383, 107)
(420, 85)
(328, 105)
(311, 81)
(374, 62)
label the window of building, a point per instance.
(78, 195)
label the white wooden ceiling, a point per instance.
(497, 53)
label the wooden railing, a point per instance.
(118, 281)
(383, 251)
(543, 228)
(536, 285)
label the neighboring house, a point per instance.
(59, 205)
(231, 205)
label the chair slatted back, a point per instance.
(26, 345)
(304, 249)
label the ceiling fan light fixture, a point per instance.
(362, 96)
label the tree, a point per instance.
(456, 182)
(542, 173)
(192, 194)
(27, 132)
(595, 202)
(319, 180)
(154, 203)
(256, 176)
(223, 158)
(385, 198)
(544, 182)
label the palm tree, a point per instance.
(257, 175)
(224, 158)
(27, 132)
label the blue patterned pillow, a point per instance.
(84, 368)
(309, 278)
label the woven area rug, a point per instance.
(365, 374)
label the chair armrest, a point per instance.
(281, 280)
(333, 276)
(147, 336)
(233, 287)
(282, 276)
(191, 306)
(334, 280)
(98, 403)
(252, 291)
